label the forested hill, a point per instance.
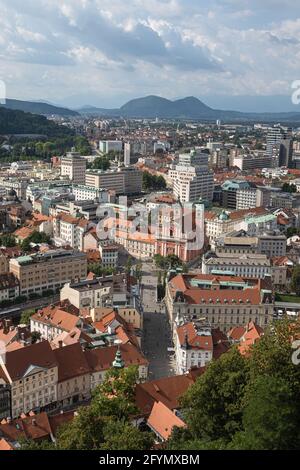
(38, 108)
(18, 122)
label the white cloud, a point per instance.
(170, 47)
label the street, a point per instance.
(157, 332)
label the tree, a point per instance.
(106, 422)
(246, 402)
(101, 163)
(35, 337)
(82, 145)
(138, 273)
(271, 417)
(289, 188)
(85, 432)
(171, 261)
(213, 405)
(153, 182)
(25, 317)
(160, 261)
(35, 237)
(7, 240)
(26, 444)
(100, 270)
(128, 265)
(121, 435)
(291, 231)
(115, 398)
(295, 283)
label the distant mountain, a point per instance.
(35, 107)
(187, 108)
(94, 111)
(18, 122)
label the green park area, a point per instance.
(295, 299)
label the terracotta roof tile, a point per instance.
(195, 341)
(71, 362)
(162, 420)
(101, 359)
(4, 445)
(168, 390)
(39, 355)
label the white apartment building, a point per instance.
(127, 154)
(109, 255)
(246, 265)
(70, 230)
(122, 180)
(88, 193)
(253, 223)
(192, 179)
(91, 293)
(51, 322)
(193, 346)
(19, 185)
(106, 146)
(32, 374)
(213, 146)
(218, 225)
(248, 198)
(74, 167)
(252, 161)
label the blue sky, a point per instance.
(105, 52)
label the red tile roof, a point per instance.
(71, 362)
(197, 295)
(57, 318)
(162, 420)
(23, 233)
(4, 445)
(195, 341)
(34, 427)
(168, 390)
(252, 335)
(39, 355)
(101, 359)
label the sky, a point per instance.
(105, 52)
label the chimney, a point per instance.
(60, 344)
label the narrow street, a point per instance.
(157, 333)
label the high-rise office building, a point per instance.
(280, 147)
(127, 154)
(192, 179)
(74, 167)
(286, 153)
(106, 146)
(122, 180)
